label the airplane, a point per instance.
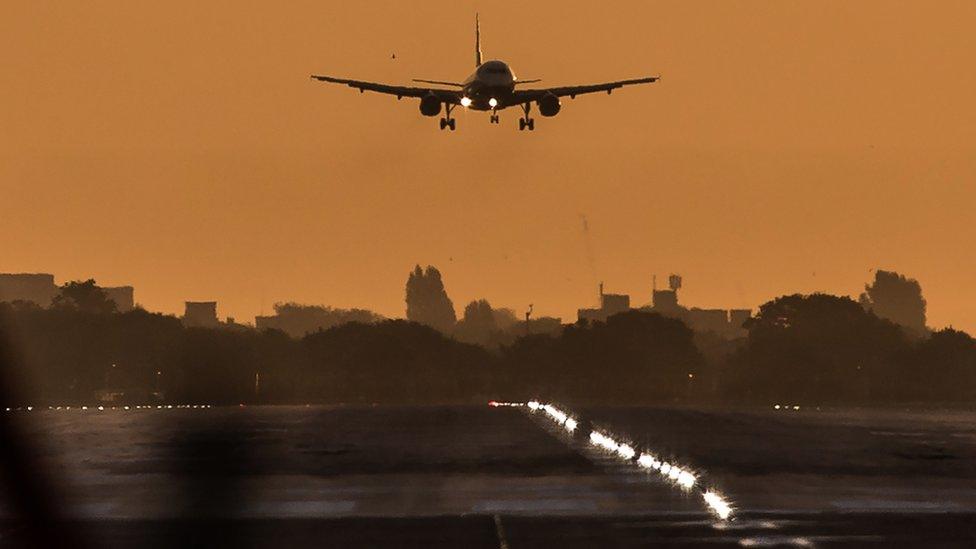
(492, 87)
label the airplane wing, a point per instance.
(449, 96)
(439, 82)
(522, 96)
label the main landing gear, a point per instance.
(448, 121)
(526, 121)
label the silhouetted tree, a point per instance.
(478, 323)
(800, 349)
(504, 318)
(635, 357)
(394, 361)
(942, 368)
(899, 299)
(817, 348)
(716, 350)
(65, 355)
(216, 366)
(427, 300)
(510, 329)
(298, 320)
(84, 297)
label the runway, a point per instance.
(474, 476)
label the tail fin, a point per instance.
(477, 41)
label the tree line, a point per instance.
(805, 349)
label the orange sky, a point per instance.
(791, 146)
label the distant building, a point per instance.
(299, 320)
(665, 301)
(40, 289)
(262, 323)
(708, 320)
(122, 296)
(610, 304)
(200, 314)
(37, 288)
(723, 322)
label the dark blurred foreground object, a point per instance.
(29, 493)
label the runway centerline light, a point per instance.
(625, 451)
(718, 504)
(678, 476)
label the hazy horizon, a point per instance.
(182, 149)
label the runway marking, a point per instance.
(533, 506)
(500, 532)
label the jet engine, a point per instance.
(430, 105)
(549, 105)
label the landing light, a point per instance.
(465, 102)
(493, 102)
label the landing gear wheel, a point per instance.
(448, 120)
(526, 121)
(494, 119)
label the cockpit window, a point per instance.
(494, 68)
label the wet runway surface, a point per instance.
(871, 530)
(486, 477)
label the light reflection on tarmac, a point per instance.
(403, 467)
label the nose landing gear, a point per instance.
(526, 121)
(494, 118)
(448, 121)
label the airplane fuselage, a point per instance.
(492, 80)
